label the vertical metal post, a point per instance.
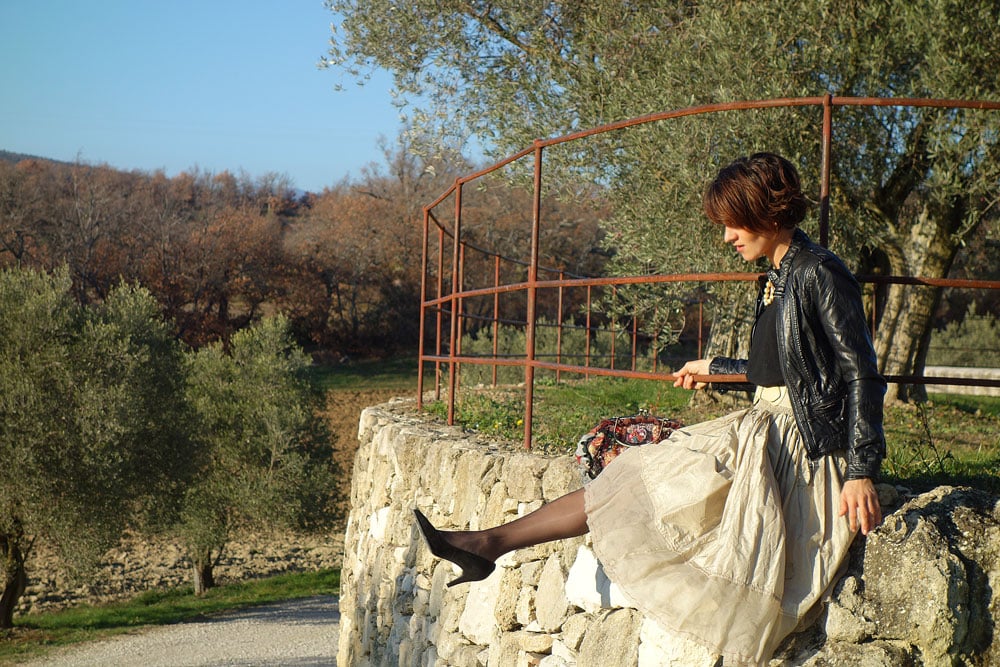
(824, 188)
(701, 315)
(529, 368)
(635, 340)
(559, 325)
(586, 347)
(423, 311)
(656, 338)
(455, 287)
(460, 305)
(614, 319)
(496, 313)
(440, 315)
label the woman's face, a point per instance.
(751, 245)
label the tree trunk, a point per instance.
(203, 575)
(732, 316)
(730, 337)
(907, 315)
(904, 326)
(14, 578)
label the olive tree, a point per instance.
(91, 422)
(909, 182)
(266, 461)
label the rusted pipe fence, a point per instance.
(450, 310)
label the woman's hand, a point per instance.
(683, 377)
(859, 501)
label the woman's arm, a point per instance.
(714, 366)
(730, 366)
(841, 313)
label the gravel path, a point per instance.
(295, 633)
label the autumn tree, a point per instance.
(228, 260)
(909, 184)
(88, 213)
(358, 249)
(208, 246)
(357, 246)
(20, 205)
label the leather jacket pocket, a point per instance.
(830, 415)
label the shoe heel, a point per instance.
(474, 567)
(464, 578)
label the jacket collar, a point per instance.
(779, 277)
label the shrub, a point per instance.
(972, 342)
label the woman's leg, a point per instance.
(476, 550)
(562, 518)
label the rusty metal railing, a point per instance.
(448, 303)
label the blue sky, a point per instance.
(214, 84)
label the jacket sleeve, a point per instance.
(841, 314)
(729, 366)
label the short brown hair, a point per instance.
(760, 193)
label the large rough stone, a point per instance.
(926, 579)
(478, 622)
(504, 652)
(574, 630)
(454, 650)
(612, 640)
(519, 648)
(658, 648)
(555, 661)
(497, 507)
(505, 609)
(871, 654)
(560, 477)
(551, 606)
(588, 587)
(525, 483)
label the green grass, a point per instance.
(950, 439)
(566, 410)
(563, 411)
(397, 373)
(35, 634)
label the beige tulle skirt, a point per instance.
(723, 533)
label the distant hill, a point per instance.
(14, 158)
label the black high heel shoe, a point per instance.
(474, 568)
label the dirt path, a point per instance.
(343, 410)
(295, 632)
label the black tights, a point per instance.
(562, 518)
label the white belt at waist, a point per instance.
(774, 395)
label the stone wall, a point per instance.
(918, 591)
(992, 374)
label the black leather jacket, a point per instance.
(826, 357)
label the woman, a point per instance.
(730, 531)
